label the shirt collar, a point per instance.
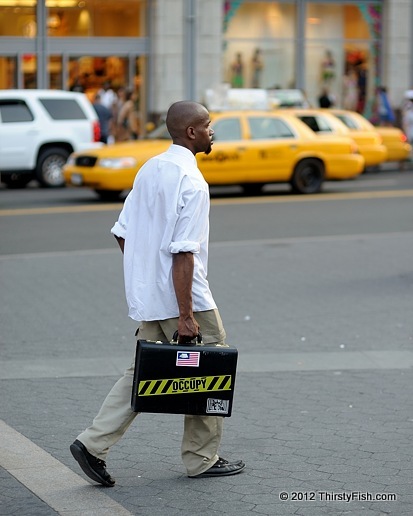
(178, 150)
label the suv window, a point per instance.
(63, 109)
(263, 128)
(14, 111)
(226, 130)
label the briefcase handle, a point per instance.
(190, 342)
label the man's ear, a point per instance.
(190, 131)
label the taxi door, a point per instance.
(272, 149)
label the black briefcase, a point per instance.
(180, 379)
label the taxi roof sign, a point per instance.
(225, 98)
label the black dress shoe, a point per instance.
(222, 468)
(93, 467)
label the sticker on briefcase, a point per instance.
(217, 406)
(187, 358)
(162, 387)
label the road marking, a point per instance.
(317, 197)
(50, 480)
(219, 202)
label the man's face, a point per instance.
(205, 135)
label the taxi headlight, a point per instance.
(117, 163)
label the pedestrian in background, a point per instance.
(128, 118)
(107, 95)
(163, 232)
(325, 100)
(384, 110)
(105, 117)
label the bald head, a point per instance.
(188, 124)
(182, 115)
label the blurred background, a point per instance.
(170, 49)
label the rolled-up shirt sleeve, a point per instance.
(184, 247)
(119, 230)
(192, 224)
(121, 225)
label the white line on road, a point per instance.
(50, 480)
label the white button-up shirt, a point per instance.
(166, 212)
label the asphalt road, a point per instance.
(316, 293)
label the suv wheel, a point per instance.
(50, 164)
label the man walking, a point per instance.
(163, 231)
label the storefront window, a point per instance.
(342, 53)
(259, 49)
(100, 18)
(8, 76)
(88, 73)
(29, 71)
(55, 72)
(18, 18)
(74, 18)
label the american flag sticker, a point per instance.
(187, 358)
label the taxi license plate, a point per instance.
(76, 179)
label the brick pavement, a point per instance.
(309, 432)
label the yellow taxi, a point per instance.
(251, 148)
(393, 138)
(333, 122)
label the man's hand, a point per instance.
(188, 328)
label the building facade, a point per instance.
(174, 49)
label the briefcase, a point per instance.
(180, 379)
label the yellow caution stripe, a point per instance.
(184, 385)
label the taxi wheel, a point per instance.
(109, 195)
(308, 176)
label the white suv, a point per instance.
(39, 129)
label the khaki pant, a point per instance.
(202, 434)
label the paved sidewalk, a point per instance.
(311, 434)
(323, 407)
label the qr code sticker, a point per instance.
(217, 406)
